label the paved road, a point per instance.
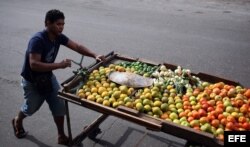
(203, 35)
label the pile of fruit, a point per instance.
(139, 68)
(175, 96)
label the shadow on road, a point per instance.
(129, 131)
(36, 141)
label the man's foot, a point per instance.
(63, 140)
(18, 129)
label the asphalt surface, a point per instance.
(204, 35)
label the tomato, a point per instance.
(197, 128)
(208, 91)
(223, 94)
(210, 117)
(242, 119)
(209, 109)
(239, 102)
(164, 116)
(202, 112)
(247, 93)
(186, 103)
(204, 120)
(246, 126)
(219, 102)
(182, 114)
(219, 110)
(196, 92)
(220, 105)
(230, 125)
(234, 103)
(215, 123)
(190, 118)
(223, 121)
(187, 111)
(185, 98)
(204, 106)
(185, 107)
(231, 119)
(219, 85)
(216, 91)
(214, 113)
(244, 109)
(228, 87)
(211, 102)
(220, 116)
(195, 114)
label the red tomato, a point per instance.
(210, 117)
(244, 108)
(216, 91)
(204, 106)
(182, 114)
(214, 113)
(220, 105)
(185, 98)
(202, 112)
(219, 102)
(190, 119)
(231, 119)
(219, 110)
(230, 125)
(246, 126)
(223, 94)
(209, 109)
(219, 85)
(242, 119)
(239, 103)
(223, 121)
(215, 123)
(195, 114)
(221, 116)
(186, 103)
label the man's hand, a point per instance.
(65, 63)
(100, 58)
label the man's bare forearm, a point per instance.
(44, 67)
(85, 51)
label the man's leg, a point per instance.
(19, 120)
(59, 121)
(58, 110)
(32, 102)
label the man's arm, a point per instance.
(37, 65)
(83, 50)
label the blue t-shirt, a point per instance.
(41, 44)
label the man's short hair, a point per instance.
(53, 15)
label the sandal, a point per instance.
(21, 133)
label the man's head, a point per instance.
(54, 21)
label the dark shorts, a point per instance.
(33, 100)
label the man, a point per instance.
(38, 82)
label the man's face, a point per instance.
(56, 27)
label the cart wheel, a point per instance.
(94, 133)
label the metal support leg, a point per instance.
(68, 122)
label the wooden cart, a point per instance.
(192, 136)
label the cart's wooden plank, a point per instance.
(128, 110)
